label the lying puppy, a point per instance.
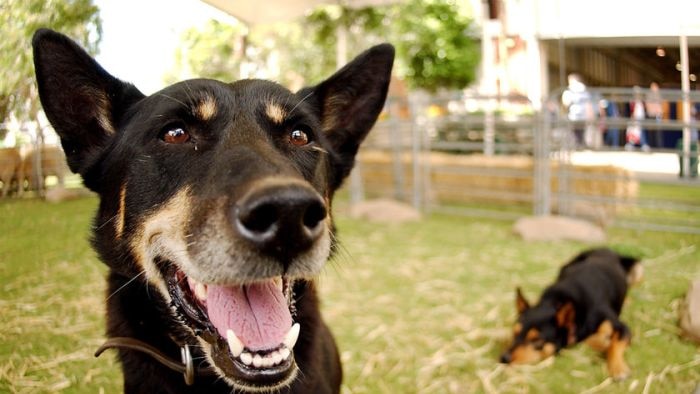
(583, 304)
(214, 215)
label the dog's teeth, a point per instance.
(291, 338)
(247, 358)
(276, 357)
(234, 343)
(257, 361)
(284, 352)
(200, 291)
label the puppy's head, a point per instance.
(217, 194)
(540, 332)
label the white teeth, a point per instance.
(257, 361)
(276, 357)
(284, 352)
(291, 338)
(247, 358)
(234, 343)
(200, 291)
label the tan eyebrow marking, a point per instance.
(532, 334)
(275, 112)
(206, 108)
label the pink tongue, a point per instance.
(257, 313)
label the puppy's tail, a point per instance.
(633, 268)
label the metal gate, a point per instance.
(501, 157)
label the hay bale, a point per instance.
(477, 178)
(556, 228)
(384, 211)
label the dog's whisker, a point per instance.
(101, 226)
(301, 101)
(319, 149)
(174, 99)
(126, 284)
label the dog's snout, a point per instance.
(506, 358)
(282, 219)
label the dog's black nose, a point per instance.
(281, 219)
(506, 358)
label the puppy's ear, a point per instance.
(349, 102)
(566, 319)
(521, 304)
(82, 101)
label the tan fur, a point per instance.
(617, 367)
(600, 341)
(161, 234)
(528, 354)
(517, 329)
(119, 225)
(103, 109)
(206, 109)
(275, 113)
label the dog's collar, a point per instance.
(185, 367)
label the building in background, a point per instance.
(530, 46)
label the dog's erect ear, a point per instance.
(566, 318)
(350, 101)
(521, 304)
(81, 100)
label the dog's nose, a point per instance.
(506, 358)
(282, 220)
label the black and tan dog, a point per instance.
(214, 215)
(584, 304)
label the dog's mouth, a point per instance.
(249, 328)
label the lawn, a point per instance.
(424, 307)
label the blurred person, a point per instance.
(608, 110)
(655, 111)
(635, 134)
(579, 102)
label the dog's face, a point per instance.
(540, 332)
(218, 195)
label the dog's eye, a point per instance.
(176, 136)
(299, 138)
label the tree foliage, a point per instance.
(434, 40)
(214, 50)
(435, 45)
(18, 22)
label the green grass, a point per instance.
(416, 308)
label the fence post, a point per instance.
(542, 175)
(416, 166)
(396, 142)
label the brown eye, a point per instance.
(176, 136)
(298, 138)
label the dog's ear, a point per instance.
(349, 102)
(82, 101)
(566, 319)
(521, 304)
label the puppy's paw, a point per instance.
(619, 370)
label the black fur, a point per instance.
(116, 138)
